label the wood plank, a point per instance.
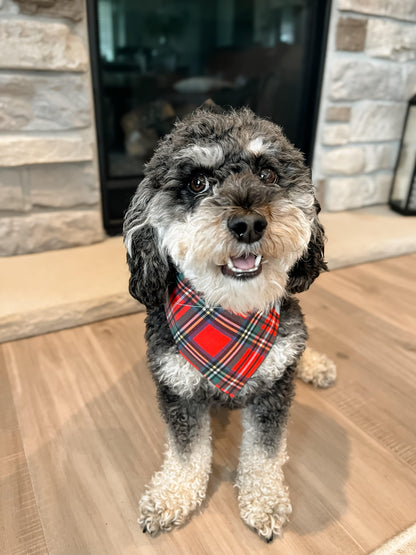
(21, 530)
(68, 407)
(367, 335)
(376, 359)
(373, 284)
(371, 493)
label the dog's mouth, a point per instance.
(243, 267)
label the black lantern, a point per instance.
(403, 191)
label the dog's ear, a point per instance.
(312, 263)
(149, 266)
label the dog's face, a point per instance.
(226, 199)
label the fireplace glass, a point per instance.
(154, 61)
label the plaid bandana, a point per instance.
(227, 348)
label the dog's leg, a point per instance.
(179, 487)
(263, 496)
(316, 368)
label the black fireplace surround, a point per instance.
(153, 61)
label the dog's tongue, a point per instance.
(244, 262)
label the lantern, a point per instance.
(403, 191)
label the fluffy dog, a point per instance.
(226, 204)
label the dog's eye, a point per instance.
(199, 183)
(268, 176)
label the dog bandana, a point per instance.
(227, 348)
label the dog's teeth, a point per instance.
(240, 270)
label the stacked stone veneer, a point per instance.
(369, 77)
(49, 188)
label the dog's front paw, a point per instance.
(263, 496)
(170, 498)
(266, 517)
(179, 487)
(162, 509)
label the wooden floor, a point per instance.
(81, 434)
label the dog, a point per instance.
(224, 230)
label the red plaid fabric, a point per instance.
(227, 348)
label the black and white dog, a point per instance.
(226, 204)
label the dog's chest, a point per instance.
(174, 371)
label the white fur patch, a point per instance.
(258, 146)
(176, 372)
(283, 353)
(205, 156)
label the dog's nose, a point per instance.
(248, 228)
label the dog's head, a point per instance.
(227, 201)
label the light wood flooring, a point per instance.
(81, 434)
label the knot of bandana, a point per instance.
(227, 348)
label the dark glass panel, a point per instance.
(156, 60)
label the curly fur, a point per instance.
(263, 496)
(179, 487)
(169, 228)
(316, 368)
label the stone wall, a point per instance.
(370, 74)
(49, 186)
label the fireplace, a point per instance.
(155, 61)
